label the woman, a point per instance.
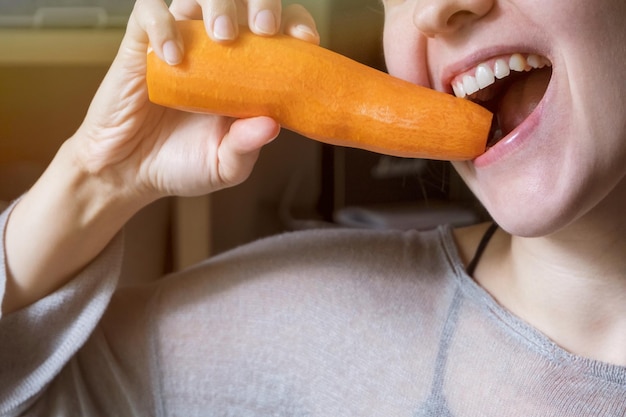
(525, 319)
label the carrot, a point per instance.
(317, 93)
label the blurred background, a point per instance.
(53, 55)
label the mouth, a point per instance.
(509, 86)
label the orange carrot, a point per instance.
(317, 93)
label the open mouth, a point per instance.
(508, 86)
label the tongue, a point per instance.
(519, 101)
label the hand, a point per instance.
(263, 17)
(158, 151)
(129, 152)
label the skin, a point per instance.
(129, 152)
(557, 183)
(556, 186)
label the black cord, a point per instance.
(471, 267)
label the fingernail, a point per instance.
(265, 22)
(223, 28)
(172, 53)
(305, 30)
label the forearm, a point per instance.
(136, 152)
(59, 226)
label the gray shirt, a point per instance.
(318, 323)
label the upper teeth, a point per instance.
(486, 73)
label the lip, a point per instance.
(519, 137)
(523, 133)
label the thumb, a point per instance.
(240, 147)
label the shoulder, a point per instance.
(330, 270)
(320, 263)
(333, 250)
(301, 307)
(333, 278)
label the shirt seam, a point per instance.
(540, 343)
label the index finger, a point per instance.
(222, 17)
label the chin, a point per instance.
(527, 216)
(527, 224)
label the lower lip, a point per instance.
(517, 138)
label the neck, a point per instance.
(570, 285)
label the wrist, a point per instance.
(62, 223)
(69, 185)
(115, 184)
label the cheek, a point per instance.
(540, 198)
(405, 51)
